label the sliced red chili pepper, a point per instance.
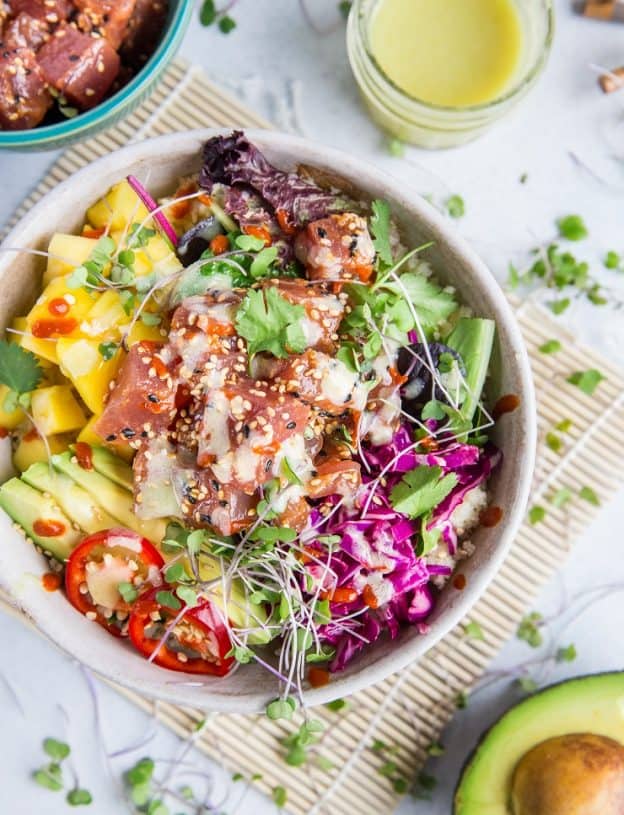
(197, 644)
(100, 564)
(284, 224)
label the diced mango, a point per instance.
(91, 375)
(140, 332)
(56, 410)
(79, 302)
(32, 448)
(89, 436)
(106, 317)
(120, 207)
(67, 252)
(155, 257)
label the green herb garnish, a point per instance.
(421, 490)
(270, 323)
(587, 381)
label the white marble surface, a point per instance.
(272, 56)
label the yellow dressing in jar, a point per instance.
(451, 53)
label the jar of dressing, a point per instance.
(437, 73)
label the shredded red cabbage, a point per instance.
(388, 584)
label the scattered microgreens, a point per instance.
(421, 490)
(280, 796)
(564, 425)
(588, 494)
(270, 323)
(337, 705)
(529, 629)
(566, 654)
(572, 228)
(299, 745)
(128, 592)
(474, 631)
(395, 147)
(553, 442)
(20, 372)
(587, 381)
(435, 749)
(524, 178)
(562, 272)
(50, 776)
(550, 347)
(389, 768)
(344, 7)
(455, 206)
(561, 497)
(281, 708)
(613, 261)
(209, 15)
(536, 514)
(526, 684)
(461, 700)
(425, 784)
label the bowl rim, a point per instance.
(407, 652)
(111, 106)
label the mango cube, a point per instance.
(89, 436)
(32, 449)
(91, 375)
(56, 410)
(66, 253)
(120, 207)
(106, 317)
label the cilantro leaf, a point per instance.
(433, 305)
(572, 227)
(19, 369)
(208, 13)
(270, 323)
(380, 227)
(420, 490)
(587, 381)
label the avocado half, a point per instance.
(498, 767)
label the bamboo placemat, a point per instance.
(409, 709)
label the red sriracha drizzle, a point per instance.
(43, 329)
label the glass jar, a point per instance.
(417, 122)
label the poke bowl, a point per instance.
(270, 422)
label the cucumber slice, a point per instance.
(473, 339)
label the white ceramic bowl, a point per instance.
(165, 159)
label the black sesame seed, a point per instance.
(73, 57)
(112, 437)
(223, 503)
(321, 232)
(151, 397)
(246, 431)
(291, 425)
(144, 434)
(128, 433)
(205, 518)
(215, 485)
(268, 465)
(353, 246)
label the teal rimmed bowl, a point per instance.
(61, 134)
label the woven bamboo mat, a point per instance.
(409, 709)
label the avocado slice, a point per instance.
(75, 501)
(114, 499)
(27, 506)
(585, 705)
(111, 466)
(473, 339)
(240, 611)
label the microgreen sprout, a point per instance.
(51, 777)
(529, 629)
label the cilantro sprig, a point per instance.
(20, 372)
(268, 322)
(421, 490)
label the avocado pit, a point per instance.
(575, 774)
